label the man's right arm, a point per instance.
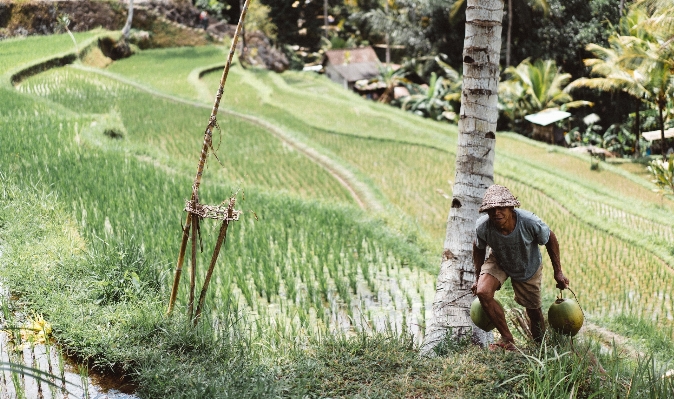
(478, 261)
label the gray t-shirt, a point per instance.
(517, 253)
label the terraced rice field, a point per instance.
(305, 258)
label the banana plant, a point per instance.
(429, 101)
(662, 171)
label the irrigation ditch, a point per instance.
(34, 365)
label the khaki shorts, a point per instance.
(527, 293)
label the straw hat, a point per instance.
(496, 196)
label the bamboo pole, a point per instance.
(216, 251)
(208, 138)
(190, 304)
(179, 266)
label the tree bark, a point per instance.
(510, 30)
(637, 129)
(388, 50)
(129, 18)
(661, 106)
(474, 173)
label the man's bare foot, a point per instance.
(505, 345)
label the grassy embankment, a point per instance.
(153, 162)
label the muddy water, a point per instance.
(59, 377)
(32, 367)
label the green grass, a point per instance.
(24, 50)
(62, 275)
(105, 165)
(246, 152)
(323, 252)
(153, 66)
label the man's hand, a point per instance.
(473, 289)
(562, 282)
(478, 261)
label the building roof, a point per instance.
(354, 72)
(656, 134)
(351, 56)
(546, 117)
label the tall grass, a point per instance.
(560, 369)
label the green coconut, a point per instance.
(565, 316)
(480, 317)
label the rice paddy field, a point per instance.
(344, 201)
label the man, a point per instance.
(513, 236)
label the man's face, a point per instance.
(500, 215)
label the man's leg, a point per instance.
(486, 287)
(537, 325)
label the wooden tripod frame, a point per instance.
(196, 211)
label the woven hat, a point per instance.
(496, 196)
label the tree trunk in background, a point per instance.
(129, 18)
(510, 30)
(637, 122)
(388, 50)
(474, 173)
(661, 106)
(243, 32)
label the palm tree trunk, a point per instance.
(510, 29)
(637, 129)
(129, 18)
(387, 37)
(661, 106)
(474, 173)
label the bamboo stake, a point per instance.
(179, 266)
(190, 305)
(216, 251)
(208, 138)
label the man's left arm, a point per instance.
(553, 251)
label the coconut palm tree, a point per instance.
(654, 64)
(661, 20)
(608, 72)
(542, 5)
(637, 61)
(474, 173)
(647, 49)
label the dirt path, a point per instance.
(360, 192)
(607, 339)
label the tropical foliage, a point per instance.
(430, 100)
(440, 99)
(533, 87)
(617, 139)
(638, 60)
(663, 173)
